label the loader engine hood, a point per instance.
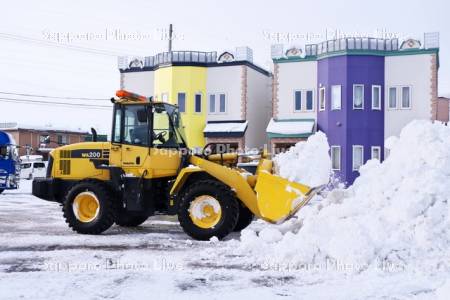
(79, 160)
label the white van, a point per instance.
(32, 166)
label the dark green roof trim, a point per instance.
(295, 120)
(358, 52)
(278, 135)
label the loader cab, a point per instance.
(149, 125)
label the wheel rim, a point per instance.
(205, 211)
(86, 207)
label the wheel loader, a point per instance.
(147, 169)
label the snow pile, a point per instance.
(306, 162)
(396, 214)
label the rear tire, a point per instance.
(89, 208)
(245, 217)
(125, 219)
(222, 222)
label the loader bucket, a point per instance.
(278, 198)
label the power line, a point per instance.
(51, 103)
(8, 36)
(54, 97)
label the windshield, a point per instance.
(167, 130)
(9, 152)
(131, 125)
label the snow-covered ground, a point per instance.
(386, 237)
(40, 258)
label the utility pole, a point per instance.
(170, 37)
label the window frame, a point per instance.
(379, 97)
(178, 102)
(372, 148)
(353, 156)
(195, 103)
(389, 98)
(306, 100)
(340, 97)
(295, 100)
(324, 98)
(401, 97)
(209, 104)
(226, 106)
(340, 157)
(353, 97)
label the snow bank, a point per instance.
(306, 162)
(396, 214)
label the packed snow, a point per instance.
(306, 162)
(226, 127)
(395, 216)
(386, 237)
(290, 127)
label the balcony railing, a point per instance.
(345, 44)
(170, 57)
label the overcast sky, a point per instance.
(31, 62)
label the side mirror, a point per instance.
(142, 115)
(3, 151)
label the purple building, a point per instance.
(359, 91)
(350, 109)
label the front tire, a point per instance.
(89, 208)
(208, 208)
(126, 219)
(245, 218)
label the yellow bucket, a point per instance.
(278, 198)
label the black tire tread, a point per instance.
(105, 222)
(245, 218)
(222, 191)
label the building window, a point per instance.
(165, 97)
(309, 100)
(198, 103)
(336, 97)
(406, 97)
(335, 158)
(392, 97)
(43, 139)
(358, 157)
(297, 100)
(358, 96)
(376, 97)
(375, 152)
(322, 98)
(217, 103)
(222, 103)
(62, 139)
(182, 102)
(212, 103)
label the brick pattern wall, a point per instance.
(275, 141)
(434, 88)
(244, 87)
(239, 141)
(275, 84)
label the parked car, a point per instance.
(32, 166)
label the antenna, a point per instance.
(170, 37)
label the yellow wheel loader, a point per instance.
(147, 169)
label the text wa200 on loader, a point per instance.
(147, 169)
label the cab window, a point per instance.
(164, 135)
(135, 125)
(39, 165)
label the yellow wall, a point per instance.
(189, 80)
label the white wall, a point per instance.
(259, 107)
(295, 76)
(407, 70)
(141, 83)
(225, 79)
